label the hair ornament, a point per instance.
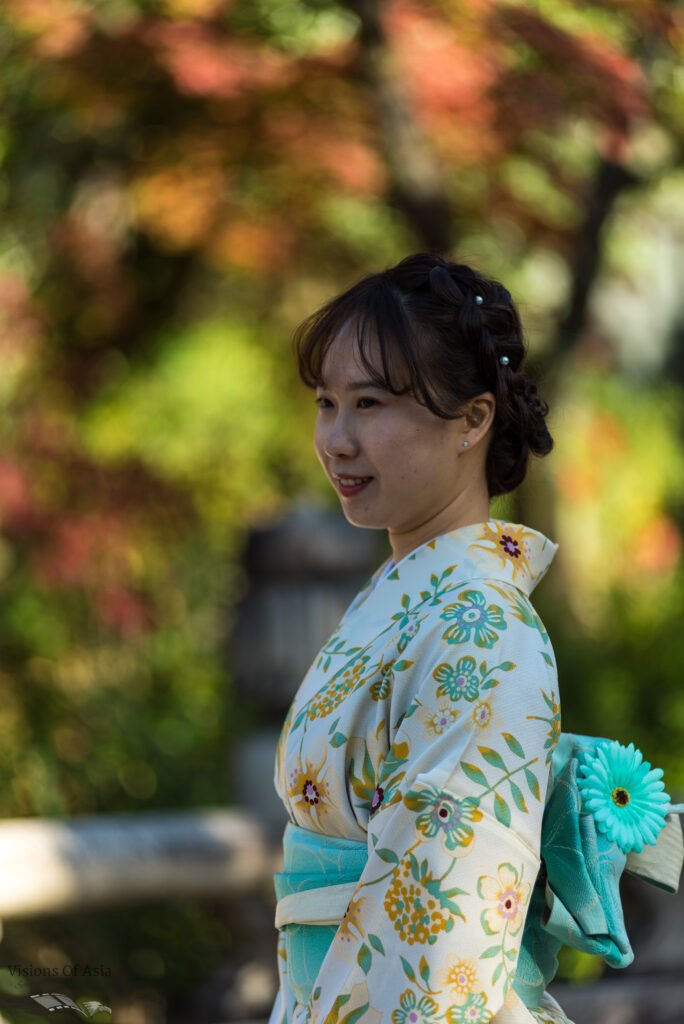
(479, 300)
(504, 360)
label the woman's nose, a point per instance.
(340, 439)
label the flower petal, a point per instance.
(508, 876)
(488, 888)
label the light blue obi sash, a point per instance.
(317, 881)
(575, 901)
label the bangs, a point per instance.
(379, 316)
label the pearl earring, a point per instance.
(466, 443)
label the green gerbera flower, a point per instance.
(624, 794)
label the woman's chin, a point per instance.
(364, 520)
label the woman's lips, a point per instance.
(348, 486)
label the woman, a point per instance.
(416, 758)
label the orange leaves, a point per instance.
(176, 205)
(20, 325)
(658, 546)
(252, 245)
(342, 150)
(195, 8)
(600, 444)
(351, 163)
(448, 72)
(59, 28)
(445, 72)
(17, 506)
(203, 63)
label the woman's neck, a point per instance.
(462, 511)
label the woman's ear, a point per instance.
(479, 413)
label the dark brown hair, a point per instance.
(439, 344)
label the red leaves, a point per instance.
(590, 73)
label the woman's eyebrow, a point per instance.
(357, 385)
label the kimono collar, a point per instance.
(494, 549)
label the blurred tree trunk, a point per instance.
(611, 178)
(536, 500)
(416, 181)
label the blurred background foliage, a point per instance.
(181, 181)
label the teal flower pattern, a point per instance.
(414, 1011)
(472, 616)
(625, 795)
(443, 813)
(458, 682)
(473, 1011)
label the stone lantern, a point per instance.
(302, 573)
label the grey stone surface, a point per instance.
(641, 999)
(302, 573)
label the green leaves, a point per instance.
(485, 924)
(474, 773)
(354, 1015)
(550, 702)
(408, 970)
(488, 680)
(513, 744)
(364, 958)
(517, 795)
(533, 783)
(502, 810)
(492, 757)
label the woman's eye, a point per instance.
(363, 403)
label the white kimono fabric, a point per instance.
(425, 728)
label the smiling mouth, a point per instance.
(352, 481)
(351, 485)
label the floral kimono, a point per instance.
(422, 736)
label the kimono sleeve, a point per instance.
(434, 927)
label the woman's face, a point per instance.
(394, 464)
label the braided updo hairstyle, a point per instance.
(438, 342)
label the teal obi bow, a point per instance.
(575, 901)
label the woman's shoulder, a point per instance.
(481, 604)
